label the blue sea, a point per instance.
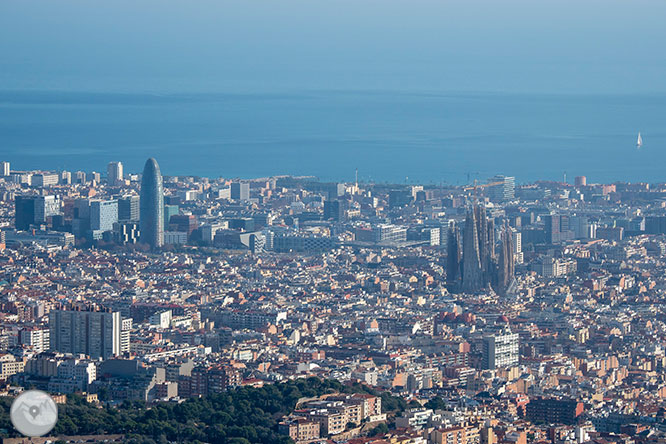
(389, 136)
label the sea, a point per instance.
(388, 136)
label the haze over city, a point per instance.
(300, 222)
(473, 86)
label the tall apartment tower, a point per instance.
(500, 350)
(240, 190)
(94, 333)
(114, 172)
(151, 205)
(4, 169)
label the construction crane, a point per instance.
(476, 186)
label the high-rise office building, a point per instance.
(334, 209)
(552, 228)
(557, 228)
(45, 208)
(114, 172)
(24, 212)
(400, 198)
(34, 210)
(169, 210)
(128, 208)
(503, 188)
(580, 181)
(500, 350)
(94, 333)
(152, 205)
(103, 214)
(240, 190)
(4, 168)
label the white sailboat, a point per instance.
(639, 142)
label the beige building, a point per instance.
(10, 366)
(454, 435)
(300, 429)
(332, 421)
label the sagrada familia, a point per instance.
(476, 264)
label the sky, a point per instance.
(166, 46)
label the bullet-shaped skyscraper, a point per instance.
(152, 205)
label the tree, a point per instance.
(246, 415)
(381, 429)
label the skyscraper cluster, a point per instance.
(473, 264)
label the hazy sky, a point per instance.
(614, 46)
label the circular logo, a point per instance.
(34, 413)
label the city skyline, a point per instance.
(399, 309)
(312, 222)
(476, 181)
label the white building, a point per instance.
(500, 350)
(416, 418)
(45, 179)
(103, 214)
(73, 375)
(4, 168)
(37, 338)
(175, 237)
(162, 319)
(389, 234)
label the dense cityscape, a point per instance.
(321, 312)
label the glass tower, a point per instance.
(152, 205)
